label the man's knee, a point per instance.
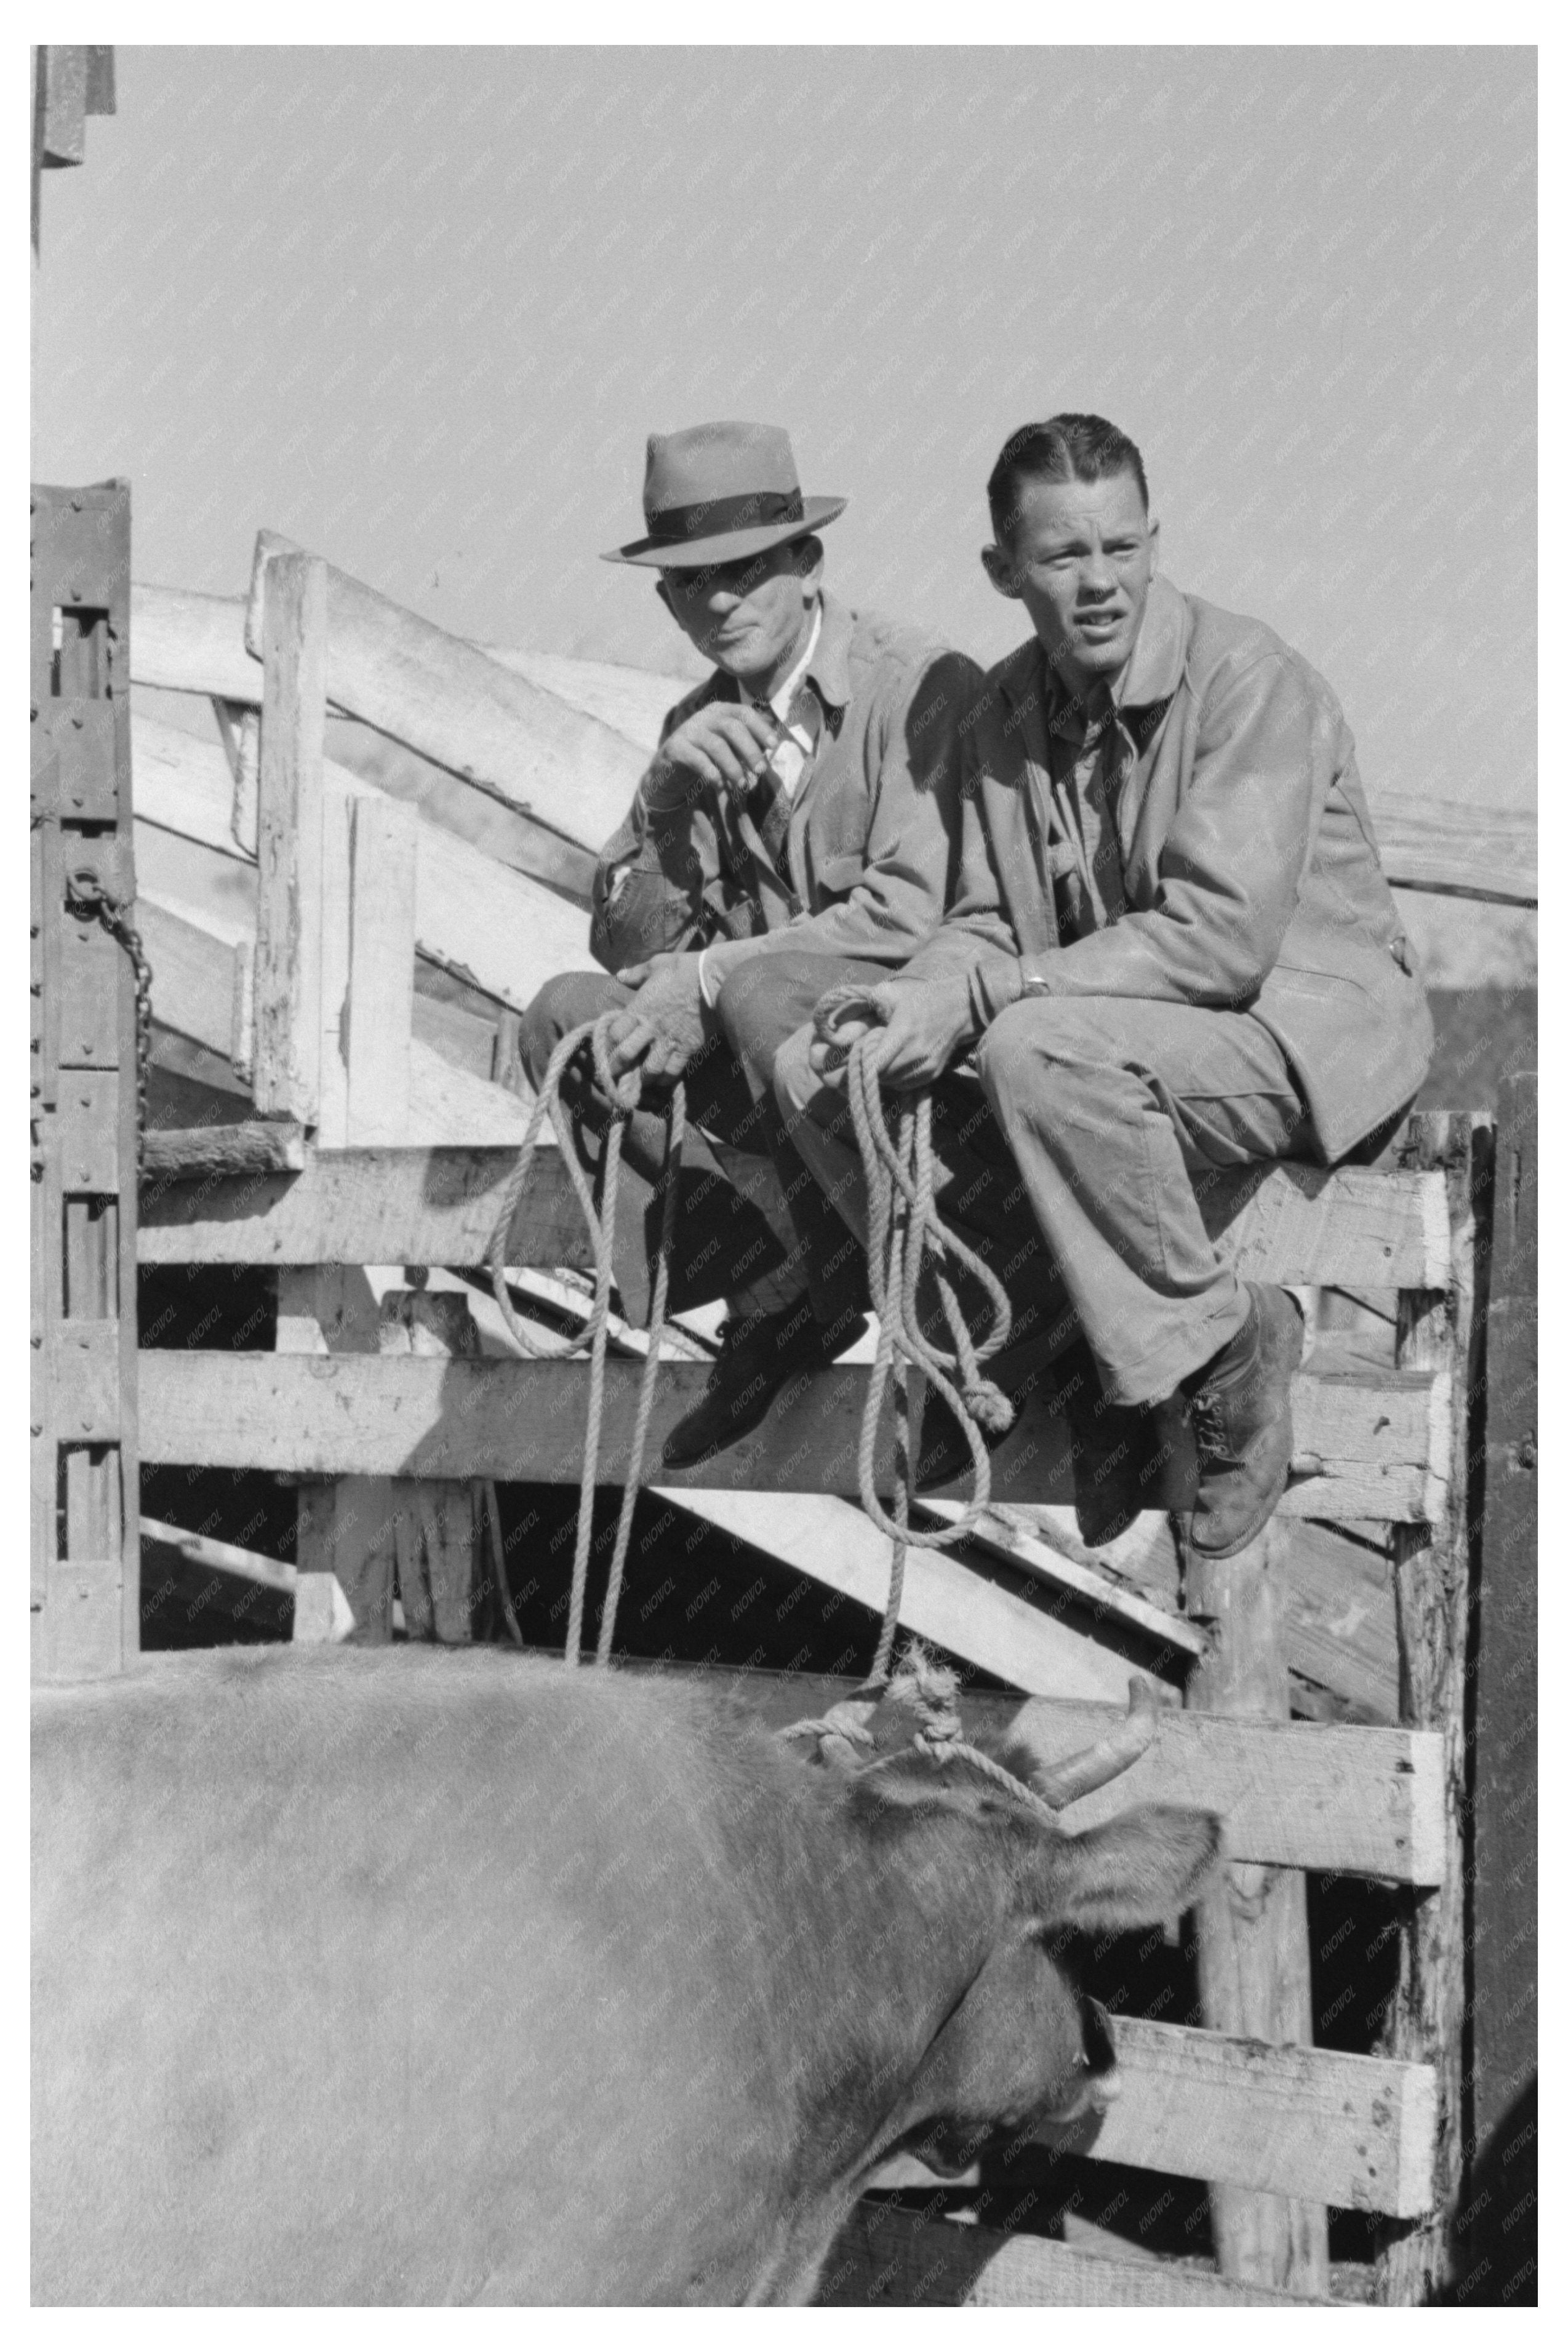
(1061, 1034)
(795, 1083)
(562, 1004)
(765, 1000)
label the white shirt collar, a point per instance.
(780, 702)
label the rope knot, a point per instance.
(989, 1408)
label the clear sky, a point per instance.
(419, 308)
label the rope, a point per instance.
(905, 1235)
(625, 1096)
(914, 1712)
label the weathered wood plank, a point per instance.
(195, 977)
(528, 1419)
(1101, 1593)
(255, 1146)
(1458, 849)
(440, 1231)
(1357, 1225)
(192, 974)
(1359, 1800)
(1438, 1331)
(192, 643)
(230, 1559)
(886, 2255)
(1504, 1944)
(476, 917)
(970, 1616)
(196, 644)
(406, 1207)
(1353, 1798)
(1253, 1955)
(288, 916)
(1323, 2124)
(385, 847)
(446, 700)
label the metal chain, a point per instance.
(86, 895)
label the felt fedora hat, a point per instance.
(716, 493)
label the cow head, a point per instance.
(1023, 2045)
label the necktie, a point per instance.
(770, 798)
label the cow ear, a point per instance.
(1150, 1864)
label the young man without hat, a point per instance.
(798, 822)
(1172, 949)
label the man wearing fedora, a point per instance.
(1171, 950)
(798, 825)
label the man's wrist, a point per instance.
(714, 965)
(994, 984)
(667, 786)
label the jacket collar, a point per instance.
(827, 671)
(1151, 676)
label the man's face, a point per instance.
(750, 617)
(1078, 556)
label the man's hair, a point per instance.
(1065, 448)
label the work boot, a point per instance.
(1241, 1420)
(1118, 1449)
(757, 1354)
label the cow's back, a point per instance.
(400, 1978)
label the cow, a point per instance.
(433, 1977)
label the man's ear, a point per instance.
(999, 571)
(810, 556)
(1153, 547)
(662, 593)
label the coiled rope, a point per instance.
(625, 1096)
(905, 1235)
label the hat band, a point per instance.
(674, 525)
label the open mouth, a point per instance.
(1100, 625)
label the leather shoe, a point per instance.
(1118, 1449)
(1241, 1420)
(757, 1354)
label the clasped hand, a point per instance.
(926, 1024)
(666, 1023)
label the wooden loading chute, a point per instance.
(295, 907)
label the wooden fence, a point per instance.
(287, 902)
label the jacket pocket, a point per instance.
(646, 912)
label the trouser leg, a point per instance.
(762, 1005)
(733, 1235)
(976, 1190)
(1112, 1107)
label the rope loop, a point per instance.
(905, 1237)
(624, 1093)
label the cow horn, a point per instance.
(1063, 1783)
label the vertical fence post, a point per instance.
(1437, 1331)
(85, 1584)
(1500, 2240)
(384, 856)
(287, 973)
(1255, 1972)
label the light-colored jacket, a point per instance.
(1250, 865)
(873, 828)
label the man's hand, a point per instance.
(725, 744)
(926, 1023)
(667, 1023)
